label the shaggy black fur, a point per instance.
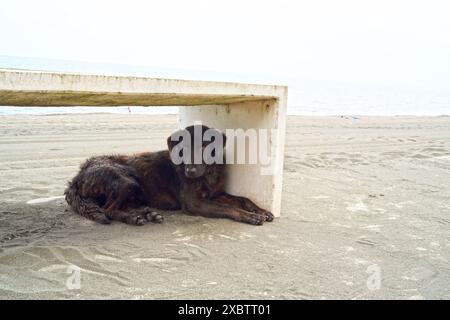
(129, 188)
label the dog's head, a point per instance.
(196, 147)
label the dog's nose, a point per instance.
(191, 170)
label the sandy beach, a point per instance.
(361, 196)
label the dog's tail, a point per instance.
(83, 206)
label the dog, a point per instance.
(131, 188)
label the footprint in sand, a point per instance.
(367, 242)
(420, 156)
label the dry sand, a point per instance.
(360, 196)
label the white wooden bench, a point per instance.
(220, 105)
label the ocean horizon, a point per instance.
(305, 96)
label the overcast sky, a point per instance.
(392, 42)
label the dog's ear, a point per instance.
(170, 143)
(174, 139)
(224, 137)
(213, 135)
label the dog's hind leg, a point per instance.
(128, 217)
(135, 216)
(151, 215)
(93, 212)
(126, 204)
(85, 207)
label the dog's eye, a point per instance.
(204, 144)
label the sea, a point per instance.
(305, 97)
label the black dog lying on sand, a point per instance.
(130, 188)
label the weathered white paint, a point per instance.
(33, 88)
(247, 179)
(221, 105)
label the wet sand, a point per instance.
(362, 197)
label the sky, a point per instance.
(391, 42)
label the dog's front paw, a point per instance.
(252, 218)
(268, 216)
(101, 218)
